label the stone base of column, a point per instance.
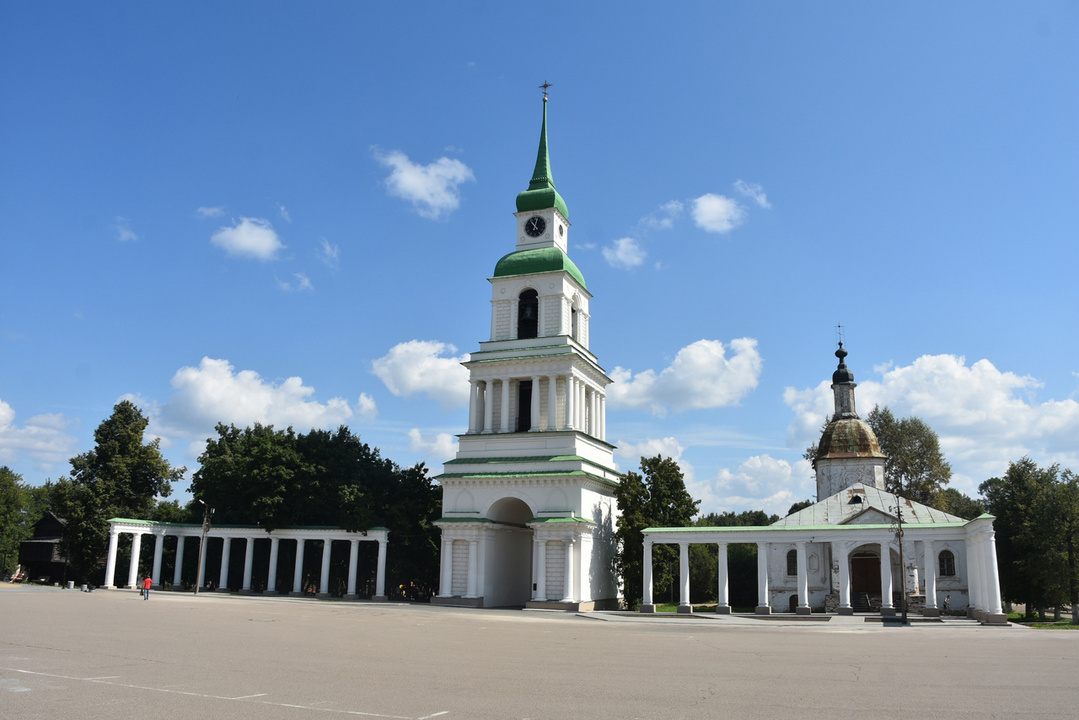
(379, 598)
(647, 608)
(457, 601)
(297, 593)
(803, 611)
(221, 590)
(887, 612)
(685, 609)
(564, 605)
(322, 596)
(723, 609)
(930, 612)
(106, 587)
(970, 613)
(270, 592)
(246, 591)
(845, 611)
(995, 619)
(763, 610)
(350, 596)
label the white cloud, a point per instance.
(215, 392)
(124, 233)
(754, 192)
(664, 217)
(439, 450)
(717, 213)
(761, 482)
(624, 254)
(209, 212)
(701, 376)
(984, 417)
(284, 213)
(631, 453)
(328, 253)
(417, 366)
(366, 408)
(302, 282)
(251, 237)
(432, 189)
(42, 438)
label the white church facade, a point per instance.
(528, 508)
(845, 552)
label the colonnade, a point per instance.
(159, 530)
(982, 575)
(584, 408)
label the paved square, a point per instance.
(64, 653)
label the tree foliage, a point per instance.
(952, 501)
(657, 497)
(21, 506)
(1037, 532)
(278, 478)
(741, 560)
(121, 477)
(914, 468)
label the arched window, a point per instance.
(947, 563)
(574, 320)
(792, 562)
(528, 315)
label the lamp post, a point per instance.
(207, 511)
(902, 562)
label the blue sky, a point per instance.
(288, 212)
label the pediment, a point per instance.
(870, 516)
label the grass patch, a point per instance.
(1034, 621)
(673, 608)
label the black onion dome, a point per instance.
(842, 375)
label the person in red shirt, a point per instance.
(146, 585)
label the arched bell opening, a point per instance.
(528, 315)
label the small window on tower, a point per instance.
(528, 315)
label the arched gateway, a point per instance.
(528, 508)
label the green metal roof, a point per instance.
(541, 193)
(538, 260)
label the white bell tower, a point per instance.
(528, 503)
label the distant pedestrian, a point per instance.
(947, 603)
(146, 585)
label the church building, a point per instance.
(859, 547)
(528, 508)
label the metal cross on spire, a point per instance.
(839, 334)
(544, 86)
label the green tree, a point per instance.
(914, 468)
(952, 501)
(1037, 534)
(121, 477)
(21, 507)
(795, 507)
(657, 497)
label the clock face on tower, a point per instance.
(535, 225)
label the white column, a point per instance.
(581, 414)
(110, 562)
(488, 406)
(646, 587)
(724, 581)
(177, 571)
(473, 405)
(886, 577)
(803, 576)
(683, 577)
(992, 576)
(929, 560)
(249, 558)
(506, 405)
(353, 563)
(271, 575)
(445, 576)
(541, 569)
(297, 573)
(470, 588)
(571, 399)
(481, 563)
(567, 582)
(973, 598)
(763, 605)
(534, 418)
(552, 402)
(844, 574)
(594, 410)
(380, 570)
(324, 575)
(159, 547)
(603, 417)
(226, 555)
(136, 553)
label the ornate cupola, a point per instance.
(848, 452)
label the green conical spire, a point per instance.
(541, 193)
